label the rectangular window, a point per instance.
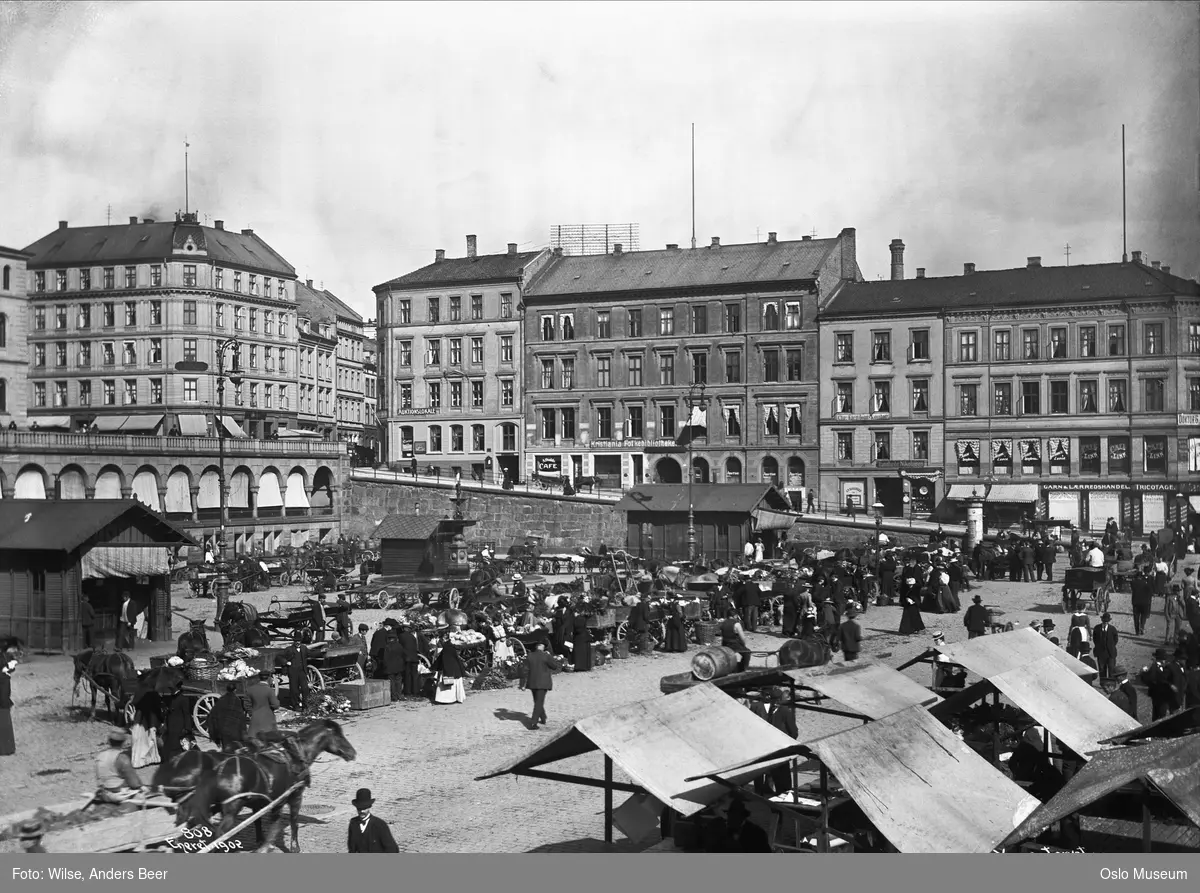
(129, 354)
(1059, 401)
(455, 308)
(1152, 339)
(268, 392)
(1089, 396)
(843, 347)
(405, 312)
(881, 401)
(39, 356)
(39, 319)
(39, 393)
(733, 318)
(130, 391)
(1058, 343)
(603, 324)
(699, 368)
(268, 322)
(155, 355)
(266, 286)
(60, 354)
(253, 319)
(237, 282)
(1087, 342)
(881, 347)
(666, 369)
(85, 280)
(1194, 337)
(968, 400)
(39, 284)
(476, 307)
(666, 321)
(109, 314)
(405, 354)
(919, 349)
(189, 349)
(547, 374)
(795, 427)
(1031, 398)
(635, 370)
(456, 438)
(1002, 398)
(844, 397)
(733, 427)
(795, 364)
(435, 395)
(635, 323)
(433, 352)
(110, 392)
(1119, 455)
(568, 373)
(1155, 454)
(920, 395)
(110, 354)
(968, 347)
(1089, 455)
(1118, 399)
(253, 356)
(568, 424)
(1154, 389)
(456, 395)
(156, 313)
(60, 393)
(700, 320)
(130, 313)
(477, 394)
(60, 277)
(547, 328)
(85, 316)
(1116, 341)
(189, 313)
(1029, 344)
(477, 352)
(435, 309)
(567, 323)
(218, 278)
(845, 446)
(882, 443)
(1002, 350)
(549, 424)
(791, 314)
(733, 366)
(506, 392)
(920, 445)
(85, 354)
(110, 278)
(435, 438)
(60, 316)
(455, 351)
(508, 438)
(770, 365)
(283, 322)
(406, 395)
(477, 442)
(636, 426)
(131, 277)
(506, 305)
(666, 418)
(770, 317)
(604, 422)
(604, 372)
(189, 275)
(85, 393)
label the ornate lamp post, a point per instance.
(235, 376)
(695, 401)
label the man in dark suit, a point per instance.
(1104, 639)
(539, 680)
(227, 722)
(1141, 589)
(743, 836)
(411, 680)
(1046, 553)
(748, 595)
(1164, 681)
(1026, 555)
(850, 635)
(976, 619)
(1122, 693)
(368, 833)
(126, 617)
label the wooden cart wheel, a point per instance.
(657, 631)
(517, 647)
(354, 673)
(316, 679)
(129, 712)
(476, 662)
(201, 711)
(383, 598)
(452, 598)
(423, 665)
(236, 587)
(622, 633)
(285, 579)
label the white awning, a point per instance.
(71, 486)
(108, 486)
(109, 423)
(284, 433)
(51, 421)
(698, 418)
(296, 496)
(1018, 493)
(193, 425)
(30, 485)
(101, 562)
(965, 491)
(1194, 502)
(231, 426)
(141, 423)
(179, 494)
(209, 496)
(145, 489)
(765, 519)
(239, 490)
(268, 491)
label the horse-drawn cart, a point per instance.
(142, 825)
(1078, 582)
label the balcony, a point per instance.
(77, 444)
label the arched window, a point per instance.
(699, 470)
(3, 395)
(733, 471)
(795, 472)
(770, 470)
(7, 277)
(3, 330)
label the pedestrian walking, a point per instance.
(639, 624)
(411, 681)
(748, 552)
(910, 592)
(1164, 683)
(8, 742)
(343, 612)
(1141, 595)
(851, 507)
(539, 679)
(676, 642)
(581, 644)
(318, 616)
(850, 635)
(263, 705)
(1174, 614)
(448, 667)
(87, 620)
(1123, 694)
(812, 501)
(733, 637)
(758, 551)
(1027, 557)
(393, 666)
(368, 833)
(126, 617)
(1104, 644)
(1047, 552)
(748, 597)
(296, 656)
(1162, 573)
(976, 619)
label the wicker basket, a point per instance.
(693, 611)
(707, 632)
(159, 661)
(206, 674)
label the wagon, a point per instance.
(203, 691)
(1097, 582)
(112, 830)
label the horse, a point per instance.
(112, 673)
(181, 775)
(587, 481)
(267, 775)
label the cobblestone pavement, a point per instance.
(420, 760)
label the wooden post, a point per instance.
(823, 838)
(608, 799)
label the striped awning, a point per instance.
(965, 491)
(109, 423)
(193, 425)
(765, 519)
(141, 423)
(1014, 493)
(101, 562)
(232, 427)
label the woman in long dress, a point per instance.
(910, 619)
(581, 644)
(676, 642)
(147, 720)
(449, 673)
(564, 626)
(8, 743)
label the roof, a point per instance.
(465, 271)
(406, 527)
(49, 525)
(740, 498)
(1007, 288)
(757, 263)
(866, 687)
(312, 304)
(988, 656)
(923, 788)
(95, 245)
(13, 252)
(1071, 710)
(1172, 766)
(661, 742)
(1174, 725)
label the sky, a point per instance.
(358, 138)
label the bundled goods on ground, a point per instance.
(55, 821)
(321, 704)
(466, 638)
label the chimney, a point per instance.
(616, 248)
(806, 238)
(219, 224)
(672, 246)
(147, 220)
(772, 239)
(1137, 257)
(470, 246)
(848, 241)
(968, 269)
(920, 272)
(512, 249)
(439, 256)
(1155, 264)
(716, 242)
(62, 224)
(558, 252)
(1166, 269)
(1034, 262)
(247, 232)
(131, 220)
(308, 282)
(897, 249)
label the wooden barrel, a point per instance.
(714, 661)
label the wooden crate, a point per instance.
(367, 694)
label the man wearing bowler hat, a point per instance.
(369, 833)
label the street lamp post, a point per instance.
(695, 400)
(878, 509)
(234, 375)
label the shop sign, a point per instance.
(899, 463)
(419, 449)
(630, 444)
(549, 464)
(861, 416)
(421, 410)
(1188, 418)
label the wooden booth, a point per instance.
(419, 547)
(54, 551)
(726, 515)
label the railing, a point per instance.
(49, 441)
